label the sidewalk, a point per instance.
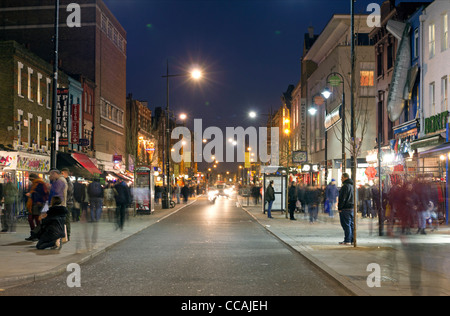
(408, 265)
(21, 262)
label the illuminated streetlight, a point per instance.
(196, 74)
(183, 116)
(252, 114)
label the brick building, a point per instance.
(96, 51)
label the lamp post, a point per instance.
(336, 79)
(53, 153)
(196, 75)
(313, 110)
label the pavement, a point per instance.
(22, 263)
(397, 265)
(400, 265)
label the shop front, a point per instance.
(16, 167)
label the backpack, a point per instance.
(95, 189)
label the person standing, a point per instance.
(345, 208)
(37, 197)
(292, 200)
(269, 196)
(95, 193)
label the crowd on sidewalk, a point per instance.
(414, 204)
(51, 206)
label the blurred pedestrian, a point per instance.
(79, 194)
(292, 200)
(58, 186)
(37, 198)
(185, 193)
(95, 193)
(69, 199)
(177, 192)
(10, 195)
(123, 199)
(331, 195)
(312, 200)
(109, 200)
(51, 230)
(269, 196)
(366, 197)
(346, 208)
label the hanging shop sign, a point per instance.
(333, 118)
(24, 162)
(62, 116)
(299, 156)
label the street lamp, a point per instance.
(195, 74)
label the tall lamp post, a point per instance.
(313, 111)
(53, 153)
(196, 75)
(336, 79)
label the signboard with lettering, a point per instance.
(75, 130)
(62, 116)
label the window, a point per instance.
(432, 99)
(366, 78)
(444, 94)
(19, 79)
(30, 94)
(432, 40)
(39, 94)
(47, 101)
(444, 32)
(416, 43)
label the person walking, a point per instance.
(331, 195)
(37, 197)
(123, 199)
(312, 199)
(177, 192)
(58, 186)
(345, 208)
(95, 193)
(10, 195)
(292, 200)
(79, 193)
(185, 193)
(269, 196)
(69, 199)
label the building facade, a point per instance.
(96, 51)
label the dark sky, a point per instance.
(249, 49)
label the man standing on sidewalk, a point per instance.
(345, 208)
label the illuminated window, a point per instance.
(366, 78)
(432, 40)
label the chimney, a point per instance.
(311, 32)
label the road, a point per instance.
(202, 250)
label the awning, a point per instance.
(427, 141)
(442, 149)
(86, 163)
(65, 160)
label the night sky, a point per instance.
(250, 52)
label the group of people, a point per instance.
(52, 206)
(310, 198)
(178, 192)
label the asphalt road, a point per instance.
(202, 250)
